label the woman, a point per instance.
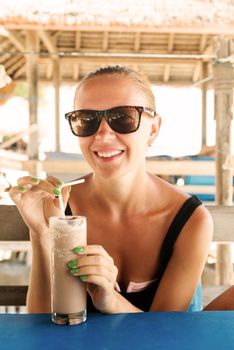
(147, 240)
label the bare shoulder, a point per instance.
(198, 229)
(201, 218)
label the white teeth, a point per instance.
(108, 154)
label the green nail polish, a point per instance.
(74, 271)
(78, 249)
(72, 263)
(59, 183)
(83, 277)
(56, 192)
(34, 179)
(22, 188)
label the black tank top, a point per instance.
(143, 299)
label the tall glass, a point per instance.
(68, 293)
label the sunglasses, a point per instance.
(123, 119)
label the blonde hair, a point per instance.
(136, 76)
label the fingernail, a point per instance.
(69, 189)
(72, 263)
(83, 277)
(78, 249)
(22, 188)
(56, 192)
(59, 183)
(72, 271)
(34, 179)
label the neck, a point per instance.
(126, 194)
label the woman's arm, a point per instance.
(224, 301)
(185, 267)
(36, 201)
(39, 290)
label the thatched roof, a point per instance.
(170, 40)
(147, 13)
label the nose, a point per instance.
(104, 131)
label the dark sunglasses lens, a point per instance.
(84, 123)
(124, 120)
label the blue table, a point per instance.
(162, 330)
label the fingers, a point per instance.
(27, 180)
(16, 193)
(88, 273)
(50, 185)
(46, 188)
(93, 250)
(97, 266)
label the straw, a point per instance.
(71, 183)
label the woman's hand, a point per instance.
(37, 200)
(96, 267)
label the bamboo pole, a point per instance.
(56, 78)
(223, 74)
(32, 43)
(204, 104)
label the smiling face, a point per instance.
(108, 152)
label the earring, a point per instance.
(149, 143)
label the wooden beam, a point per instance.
(56, 79)
(32, 66)
(17, 64)
(18, 136)
(203, 42)
(77, 40)
(11, 60)
(13, 295)
(45, 38)
(223, 217)
(4, 57)
(8, 230)
(204, 104)
(5, 44)
(181, 167)
(49, 70)
(171, 42)
(19, 71)
(223, 77)
(195, 189)
(105, 42)
(137, 42)
(197, 72)
(108, 59)
(159, 167)
(16, 246)
(76, 70)
(218, 28)
(16, 40)
(166, 75)
(208, 50)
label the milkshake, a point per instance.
(68, 293)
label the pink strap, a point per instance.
(134, 287)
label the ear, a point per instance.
(155, 127)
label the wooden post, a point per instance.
(223, 74)
(56, 77)
(204, 103)
(32, 78)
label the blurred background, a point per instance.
(186, 50)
